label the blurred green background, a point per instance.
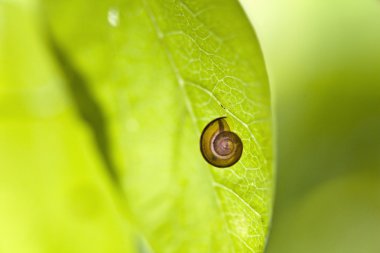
(323, 60)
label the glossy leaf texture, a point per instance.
(146, 77)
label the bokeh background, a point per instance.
(323, 59)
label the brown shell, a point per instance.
(219, 146)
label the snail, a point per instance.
(219, 146)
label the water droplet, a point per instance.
(113, 17)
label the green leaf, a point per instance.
(147, 77)
(54, 194)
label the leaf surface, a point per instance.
(160, 71)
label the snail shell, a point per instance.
(219, 146)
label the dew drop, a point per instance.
(113, 17)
